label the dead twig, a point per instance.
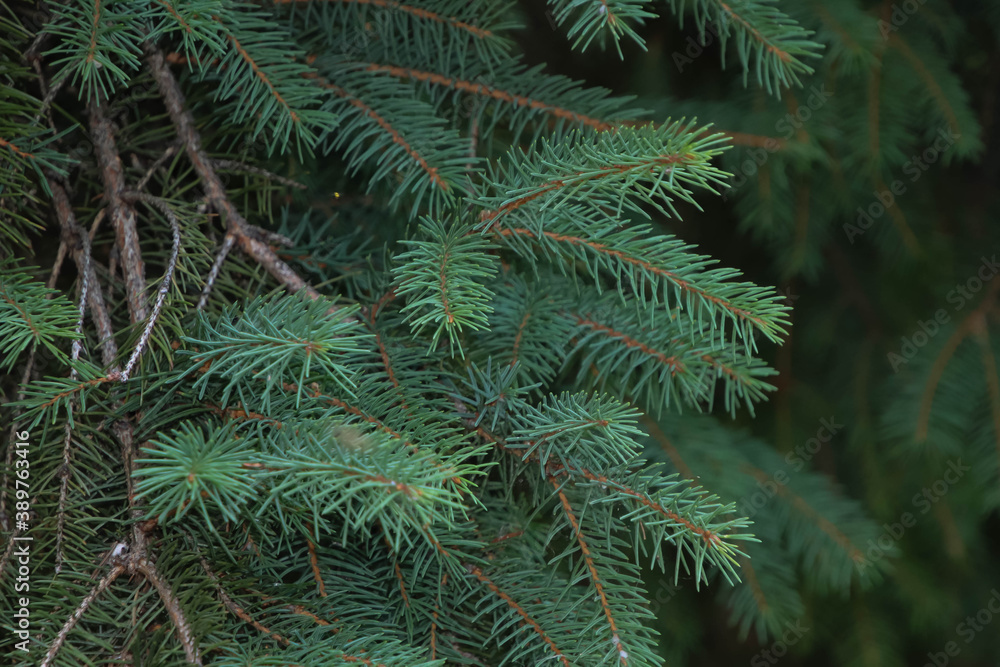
(123, 217)
(161, 296)
(147, 568)
(236, 225)
(75, 617)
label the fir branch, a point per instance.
(443, 280)
(595, 578)
(597, 19)
(417, 12)
(492, 92)
(519, 610)
(779, 44)
(237, 226)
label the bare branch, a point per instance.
(161, 297)
(227, 245)
(80, 611)
(236, 225)
(79, 243)
(233, 165)
(173, 608)
(122, 214)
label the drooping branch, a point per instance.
(236, 224)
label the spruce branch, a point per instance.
(237, 226)
(779, 46)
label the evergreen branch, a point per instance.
(693, 522)
(780, 44)
(237, 610)
(961, 332)
(283, 341)
(99, 42)
(828, 527)
(443, 278)
(649, 163)
(599, 18)
(491, 92)
(687, 363)
(268, 83)
(30, 317)
(595, 578)
(25, 377)
(417, 12)
(519, 610)
(427, 154)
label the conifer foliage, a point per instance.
(357, 332)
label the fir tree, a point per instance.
(366, 339)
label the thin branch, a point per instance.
(160, 161)
(68, 429)
(146, 567)
(233, 165)
(79, 243)
(123, 216)
(161, 297)
(75, 617)
(227, 245)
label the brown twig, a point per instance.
(169, 153)
(123, 216)
(233, 165)
(79, 243)
(147, 568)
(220, 258)
(236, 224)
(68, 429)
